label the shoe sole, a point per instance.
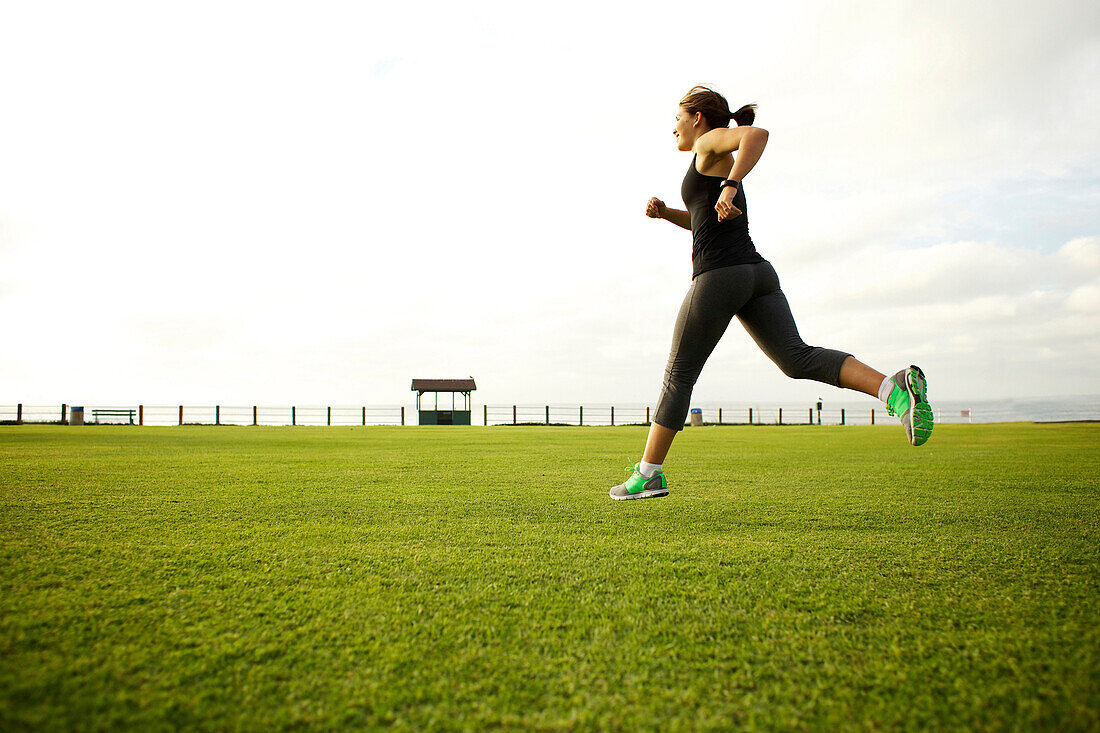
(651, 493)
(920, 414)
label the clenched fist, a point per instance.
(725, 207)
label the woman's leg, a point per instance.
(708, 307)
(657, 444)
(768, 320)
(854, 374)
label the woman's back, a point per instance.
(715, 243)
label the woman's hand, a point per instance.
(655, 209)
(725, 207)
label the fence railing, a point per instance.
(336, 415)
(611, 415)
(209, 415)
(563, 415)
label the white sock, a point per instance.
(648, 469)
(885, 388)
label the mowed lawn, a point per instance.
(463, 578)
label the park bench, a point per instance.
(96, 414)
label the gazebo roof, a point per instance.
(443, 385)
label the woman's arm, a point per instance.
(752, 147)
(681, 219)
(656, 209)
(722, 141)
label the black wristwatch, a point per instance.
(729, 182)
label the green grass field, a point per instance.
(462, 578)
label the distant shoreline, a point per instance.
(1059, 422)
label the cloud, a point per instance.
(337, 199)
(967, 310)
(1085, 299)
(988, 274)
(1082, 255)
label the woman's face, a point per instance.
(685, 129)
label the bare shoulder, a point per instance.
(724, 140)
(710, 163)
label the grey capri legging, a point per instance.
(750, 292)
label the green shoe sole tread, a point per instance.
(920, 417)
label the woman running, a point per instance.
(730, 279)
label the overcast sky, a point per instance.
(253, 202)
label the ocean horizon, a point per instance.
(850, 412)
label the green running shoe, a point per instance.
(638, 487)
(909, 402)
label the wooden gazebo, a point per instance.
(453, 416)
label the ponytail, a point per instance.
(744, 116)
(715, 108)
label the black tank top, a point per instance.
(715, 244)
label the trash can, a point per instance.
(76, 415)
(696, 416)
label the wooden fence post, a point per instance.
(513, 414)
(293, 415)
(63, 406)
(402, 414)
(872, 416)
(330, 415)
(181, 414)
(141, 414)
(581, 415)
(548, 414)
(19, 413)
(842, 416)
(613, 416)
(647, 415)
(217, 414)
(719, 415)
(811, 418)
(750, 416)
(255, 415)
(780, 415)
(485, 415)
(364, 414)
